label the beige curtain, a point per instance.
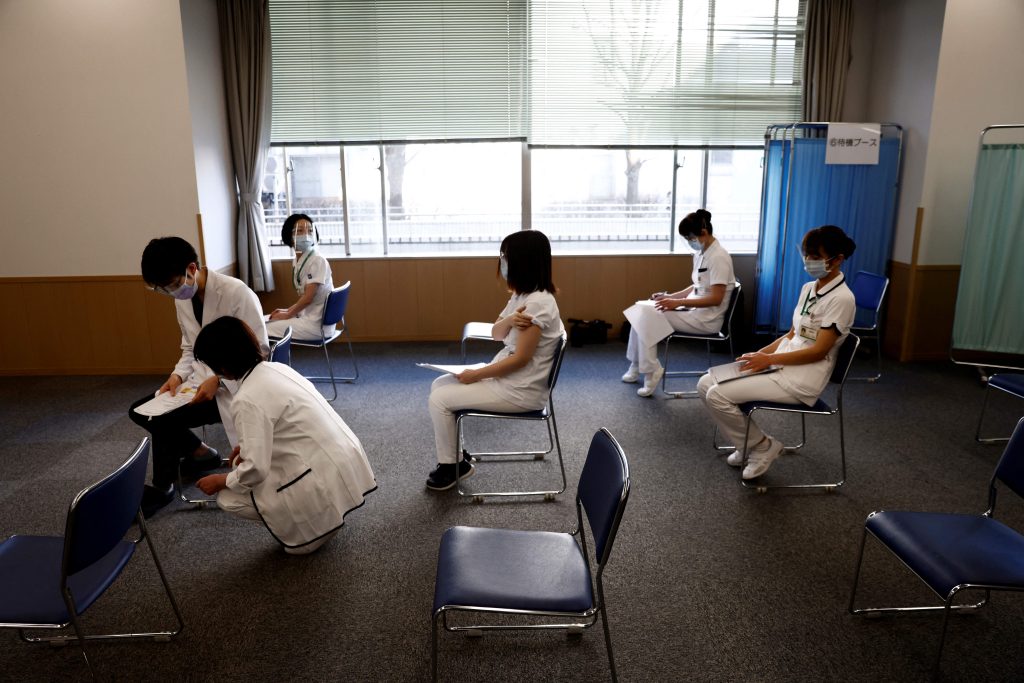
(826, 58)
(245, 46)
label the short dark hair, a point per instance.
(229, 347)
(166, 258)
(528, 253)
(830, 238)
(695, 223)
(288, 227)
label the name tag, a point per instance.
(809, 329)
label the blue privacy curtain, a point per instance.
(860, 199)
(990, 299)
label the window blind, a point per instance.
(663, 72)
(393, 70)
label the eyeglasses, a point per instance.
(172, 289)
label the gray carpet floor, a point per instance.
(708, 581)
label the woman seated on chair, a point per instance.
(311, 277)
(298, 468)
(804, 356)
(516, 379)
(705, 301)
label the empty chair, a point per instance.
(869, 291)
(281, 349)
(838, 378)
(725, 334)
(537, 573)
(954, 552)
(1011, 383)
(47, 582)
(481, 331)
(334, 314)
(545, 415)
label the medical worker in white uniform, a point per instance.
(705, 301)
(170, 266)
(804, 356)
(298, 468)
(516, 379)
(311, 277)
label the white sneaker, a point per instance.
(735, 458)
(651, 381)
(761, 458)
(632, 375)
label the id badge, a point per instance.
(809, 329)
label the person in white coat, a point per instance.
(170, 266)
(804, 357)
(311, 277)
(702, 305)
(515, 381)
(297, 468)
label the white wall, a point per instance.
(96, 135)
(215, 176)
(907, 36)
(978, 85)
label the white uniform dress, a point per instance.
(833, 306)
(309, 268)
(712, 266)
(519, 391)
(224, 295)
(301, 469)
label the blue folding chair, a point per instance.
(725, 334)
(480, 331)
(539, 573)
(869, 292)
(1011, 383)
(954, 552)
(47, 582)
(281, 349)
(334, 314)
(545, 415)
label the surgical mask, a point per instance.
(304, 243)
(816, 267)
(695, 244)
(184, 291)
(503, 267)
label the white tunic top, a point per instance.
(835, 306)
(527, 387)
(224, 295)
(713, 266)
(302, 465)
(313, 268)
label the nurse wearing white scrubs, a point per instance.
(298, 468)
(804, 356)
(705, 301)
(311, 277)
(515, 381)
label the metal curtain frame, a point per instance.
(788, 132)
(963, 248)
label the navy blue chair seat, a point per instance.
(30, 579)
(819, 407)
(952, 553)
(503, 568)
(1010, 382)
(545, 415)
(537, 573)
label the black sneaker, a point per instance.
(193, 468)
(153, 499)
(445, 475)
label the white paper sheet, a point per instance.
(450, 369)
(731, 371)
(165, 402)
(650, 323)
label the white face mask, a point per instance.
(503, 266)
(304, 243)
(695, 244)
(816, 267)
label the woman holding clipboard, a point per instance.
(804, 356)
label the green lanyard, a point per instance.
(808, 303)
(297, 271)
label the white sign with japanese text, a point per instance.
(853, 143)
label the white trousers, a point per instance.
(447, 395)
(646, 357)
(722, 401)
(240, 505)
(302, 328)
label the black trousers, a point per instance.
(172, 435)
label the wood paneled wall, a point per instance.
(919, 319)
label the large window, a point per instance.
(409, 126)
